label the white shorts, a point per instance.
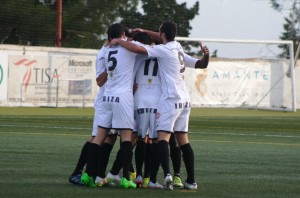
(146, 122)
(116, 111)
(95, 125)
(172, 115)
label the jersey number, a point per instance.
(155, 68)
(112, 59)
(181, 60)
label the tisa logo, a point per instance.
(1, 74)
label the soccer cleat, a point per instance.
(100, 181)
(139, 181)
(189, 186)
(177, 182)
(87, 180)
(113, 180)
(76, 179)
(132, 175)
(155, 185)
(168, 182)
(127, 183)
(146, 182)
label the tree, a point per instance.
(155, 12)
(292, 24)
(85, 22)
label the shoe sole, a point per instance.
(168, 186)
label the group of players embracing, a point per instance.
(143, 99)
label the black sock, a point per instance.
(103, 159)
(147, 161)
(188, 158)
(117, 165)
(126, 150)
(82, 159)
(93, 159)
(175, 154)
(139, 156)
(163, 147)
(154, 162)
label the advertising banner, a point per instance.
(44, 80)
(237, 84)
(3, 76)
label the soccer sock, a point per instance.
(103, 159)
(117, 165)
(139, 156)
(148, 157)
(93, 159)
(82, 159)
(175, 154)
(126, 150)
(154, 163)
(163, 147)
(188, 158)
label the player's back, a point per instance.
(149, 86)
(171, 68)
(119, 64)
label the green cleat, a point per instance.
(87, 180)
(127, 183)
(132, 175)
(177, 182)
(131, 184)
(146, 182)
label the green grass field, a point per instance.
(238, 153)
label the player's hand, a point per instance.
(204, 49)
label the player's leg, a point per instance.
(175, 154)
(107, 147)
(95, 153)
(155, 162)
(75, 177)
(188, 158)
(147, 162)
(142, 121)
(123, 119)
(166, 117)
(126, 154)
(181, 131)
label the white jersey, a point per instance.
(148, 82)
(119, 64)
(100, 68)
(171, 70)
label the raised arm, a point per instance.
(198, 63)
(203, 62)
(155, 36)
(129, 46)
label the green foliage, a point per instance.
(84, 22)
(291, 26)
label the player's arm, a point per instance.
(101, 79)
(155, 36)
(198, 63)
(129, 46)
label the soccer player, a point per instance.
(145, 100)
(174, 104)
(116, 108)
(111, 138)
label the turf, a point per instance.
(238, 153)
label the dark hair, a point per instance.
(115, 31)
(142, 37)
(170, 30)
